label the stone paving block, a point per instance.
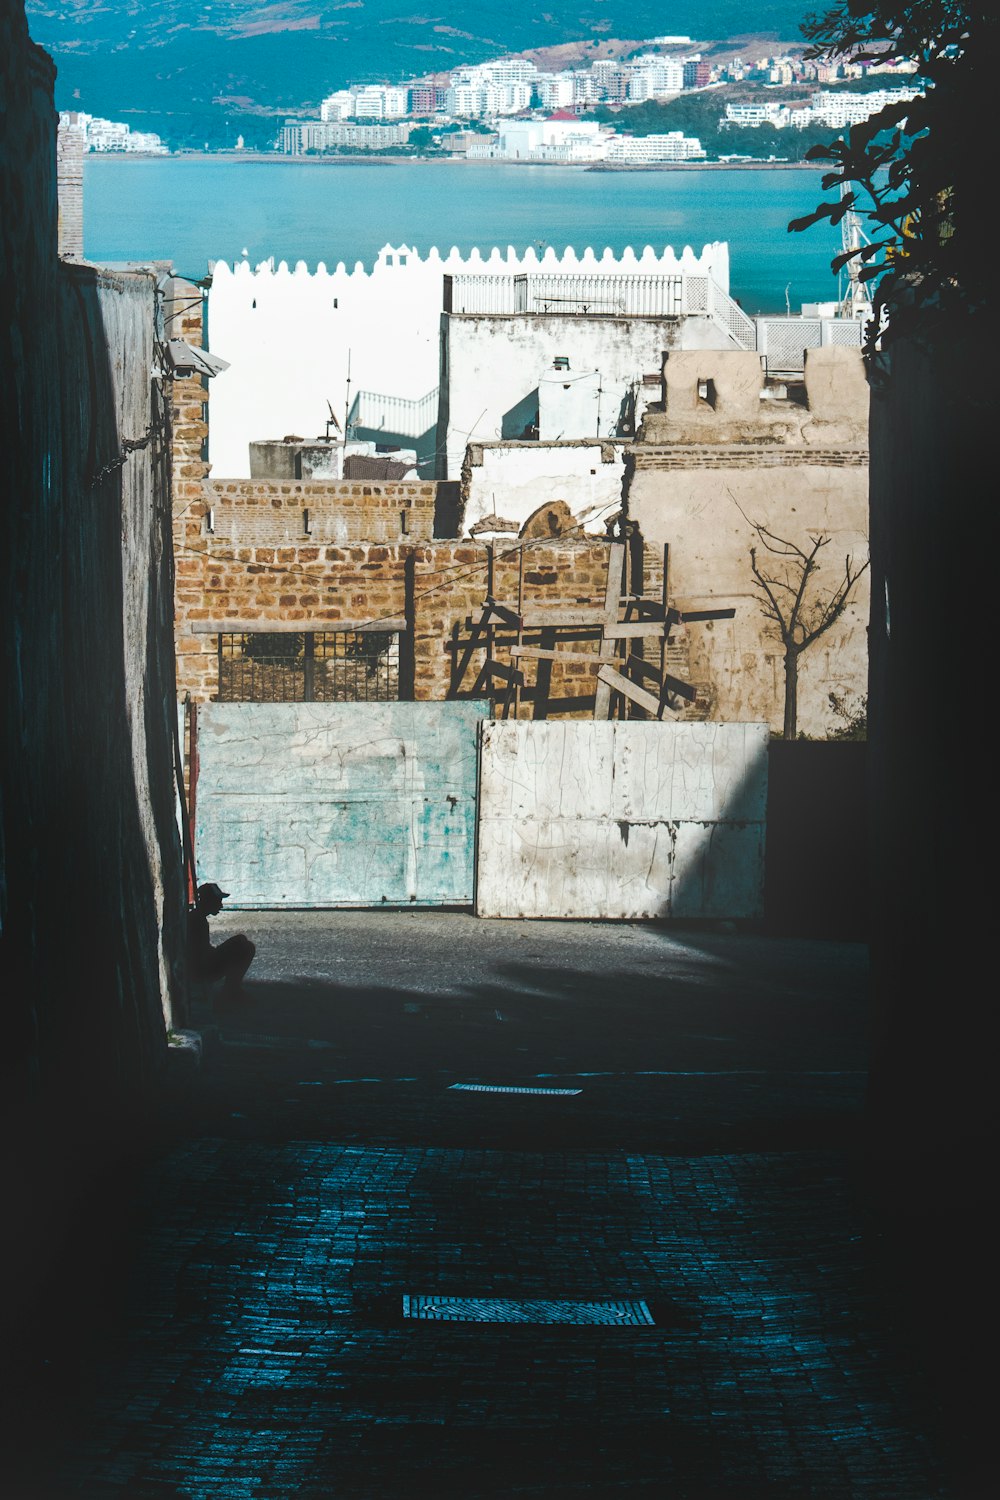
(264, 1350)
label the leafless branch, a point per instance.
(837, 601)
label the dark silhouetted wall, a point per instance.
(91, 890)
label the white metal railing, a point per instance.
(730, 317)
(395, 414)
(782, 342)
(620, 296)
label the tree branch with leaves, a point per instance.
(917, 171)
(787, 597)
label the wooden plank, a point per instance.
(648, 609)
(631, 630)
(628, 689)
(468, 647)
(520, 626)
(502, 669)
(543, 678)
(606, 649)
(505, 613)
(636, 664)
(293, 627)
(669, 684)
(681, 689)
(540, 616)
(670, 616)
(707, 614)
(541, 653)
(485, 680)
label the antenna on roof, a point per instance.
(332, 422)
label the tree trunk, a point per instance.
(790, 728)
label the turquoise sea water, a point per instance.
(193, 210)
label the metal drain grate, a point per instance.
(257, 1042)
(503, 1088)
(609, 1314)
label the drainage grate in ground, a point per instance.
(503, 1088)
(609, 1314)
(249, 1039)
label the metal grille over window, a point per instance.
(328, 666)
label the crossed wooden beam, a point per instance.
(621, 670)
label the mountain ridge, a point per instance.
(195, 66)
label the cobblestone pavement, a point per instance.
(248, 1338)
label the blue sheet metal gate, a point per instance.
(339, 804)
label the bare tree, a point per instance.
(788, 598)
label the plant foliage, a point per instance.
(916, 171)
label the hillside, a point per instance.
(185, 67)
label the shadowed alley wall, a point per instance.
(930, 803)
(90, 864)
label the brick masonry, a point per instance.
(739, 456)
(69, 179)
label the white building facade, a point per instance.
(298, 339)
(674, 146)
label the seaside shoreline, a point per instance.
(271, 158)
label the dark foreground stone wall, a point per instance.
(91, 890)
(932, 820)
(933, 808)
(816, 866)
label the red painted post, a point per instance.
(192, 796)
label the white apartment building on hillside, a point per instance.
(565, 140)
(836, 109)
(338, 106)
(771, 112)
(300, 136)
(653, 78)
(555, 90)
(113, 135)
(471, 101)
(829, 108)
(674, 146)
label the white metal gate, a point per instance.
(621, 819)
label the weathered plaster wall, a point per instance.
(491, 368)
(511, 480)
(293, 335)
(701, 474)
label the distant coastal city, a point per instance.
(662, 103)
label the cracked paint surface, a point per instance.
(633, 819)
(360, 804)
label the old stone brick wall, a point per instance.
(256, 511)
(449, 588)
(426, 591)
(70, 145)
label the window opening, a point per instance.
(323, 666)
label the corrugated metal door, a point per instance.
(338, 804)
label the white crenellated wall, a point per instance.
(291, 334)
